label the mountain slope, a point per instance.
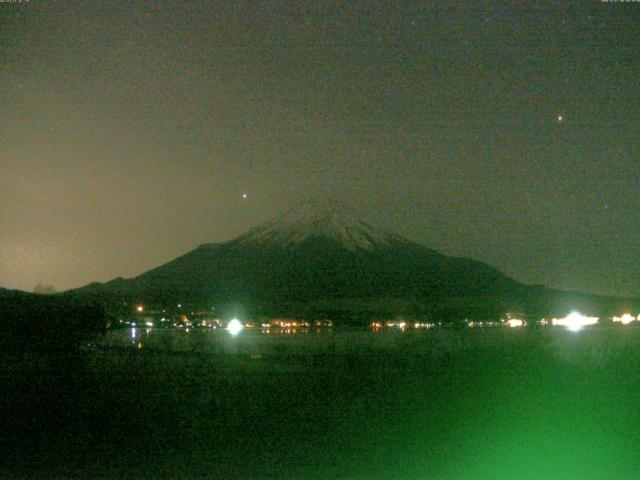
(327, 256)
(33, 321)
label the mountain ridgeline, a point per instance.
(319, 262)
(47, 322)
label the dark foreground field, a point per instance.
(481, 404)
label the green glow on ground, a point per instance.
(500, 404)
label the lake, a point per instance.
(494, 403)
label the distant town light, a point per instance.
(149, 324)
(234, 327)
(514, 322)
(625, 319)
(140, 309)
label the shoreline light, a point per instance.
(514, 322)
(234, 327)
(574, 321)
(625, 319)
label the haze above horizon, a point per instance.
(132, 133)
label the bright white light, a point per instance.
(149, 324)
(140, 308)
(234, 327)
(574, 321)
(514, 322)
(624, 319)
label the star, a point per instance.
(244, 195)
(560, 118)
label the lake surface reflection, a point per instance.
(268, 341)
(498, 403)
(592, 346)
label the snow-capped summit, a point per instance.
(312, 220)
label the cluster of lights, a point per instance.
(574, 321)
(515, 323)
(512, 322)
(401, 324)
(423, 325)
(625, 319)
(211, 323)
(183, 321)
(485, 323)
(288, 324)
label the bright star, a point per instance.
(560, 118)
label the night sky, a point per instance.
(132, 132)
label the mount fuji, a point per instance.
(309, 221)
(325, 260)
